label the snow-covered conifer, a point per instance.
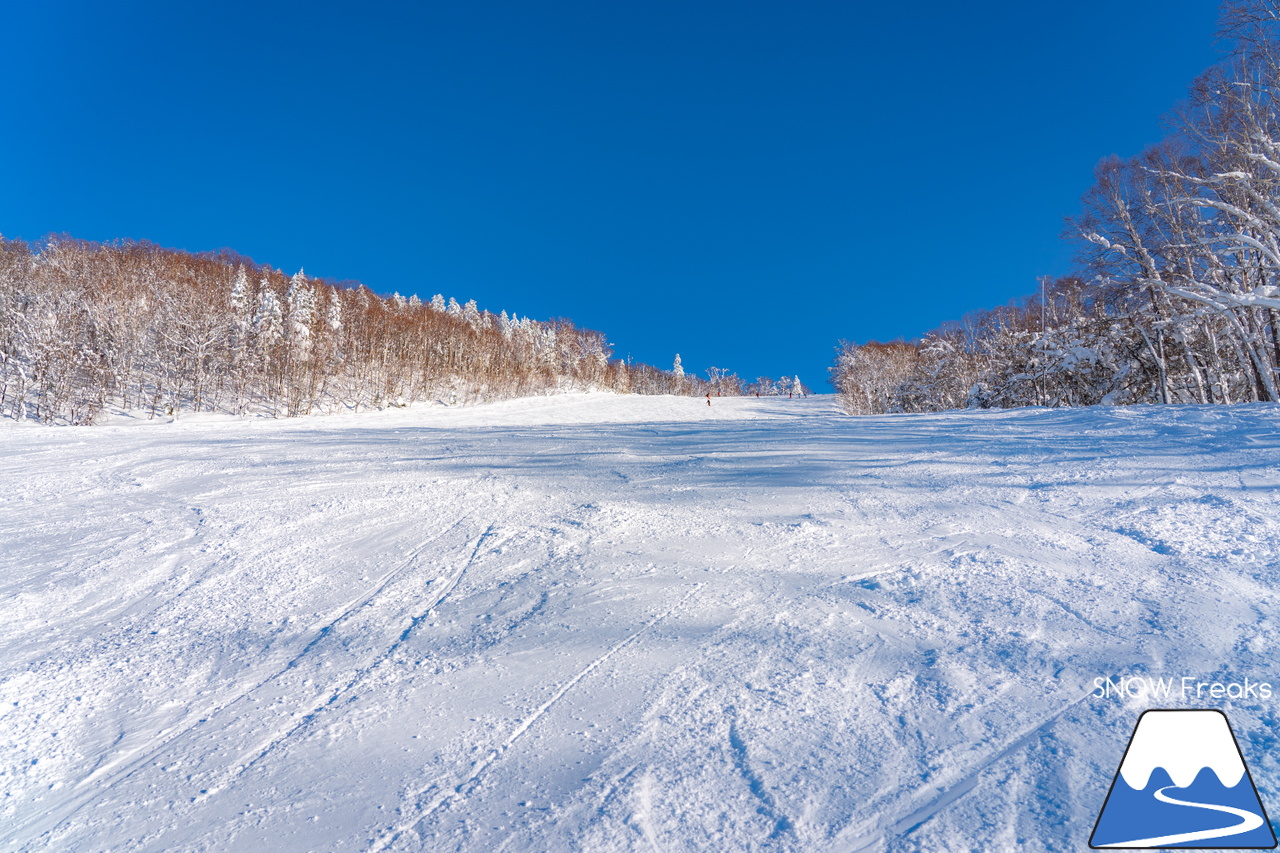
(268, 320)
(301, 303)
(333, 314)
(239, 298)
(238, 305)
(471, 313)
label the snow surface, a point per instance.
(606, 623)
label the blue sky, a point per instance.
(742, 183)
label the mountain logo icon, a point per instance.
(1183, 783)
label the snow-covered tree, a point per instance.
(82, 324)
(238, 300)
(268, 320)
(301, 303)
(471, 313)
(333, 314)
(238, 305)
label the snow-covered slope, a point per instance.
(613, 623)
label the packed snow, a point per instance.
(606, 623)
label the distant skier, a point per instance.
(708, 398)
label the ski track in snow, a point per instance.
(309, 712)
(99, 782)
(461, 788)
(611, 623)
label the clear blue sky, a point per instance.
(743, 183)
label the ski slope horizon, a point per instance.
(605, 622)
